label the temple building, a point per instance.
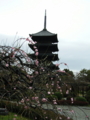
(47, 44)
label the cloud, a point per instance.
(75, 54)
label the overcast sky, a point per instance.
(69, 19)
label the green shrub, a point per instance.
(59, 95)
(88, 96)
(88, 93)
(69, 97)
(81, 99)
(51, 97)
(12, 116)
(68, 102)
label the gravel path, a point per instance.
(75, 112)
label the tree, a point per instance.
(84, 75)
(69, 72)
(69, 77)
(20, 84)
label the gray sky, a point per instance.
(70, 19)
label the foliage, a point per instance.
(59, 95)
(69, 72)
(83, 75)
(25, 83)
(75, 102)
(81, 99)
(51, 97)
(88, 88)
(88, 96)
(13, 116)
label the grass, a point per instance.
(12, 116)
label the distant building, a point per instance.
(46, 43)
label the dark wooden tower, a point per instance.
(46, 45)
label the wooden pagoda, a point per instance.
(46, 43)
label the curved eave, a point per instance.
(45, 39)
(52, 66)
(44, 32)
(31, 46)
(45, 47)
(45, 44)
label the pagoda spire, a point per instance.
(45, 21)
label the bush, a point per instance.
(80, 103)
(81, 99)
(88, 96)
(51, 97)
(68, 102)
(64, 102)
(88, 88)
(59, 95)
(69, 97)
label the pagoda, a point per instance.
(46, 43)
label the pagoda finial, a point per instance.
(45, 21)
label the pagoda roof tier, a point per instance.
(44, 35)
(44, 38)
(52, 67)
(45, 47)
(43, 32)
(47, 56)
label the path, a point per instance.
(75, 112)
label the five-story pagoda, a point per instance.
(46, 43)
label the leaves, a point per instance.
(84, 75)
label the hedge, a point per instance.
(68, 102)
